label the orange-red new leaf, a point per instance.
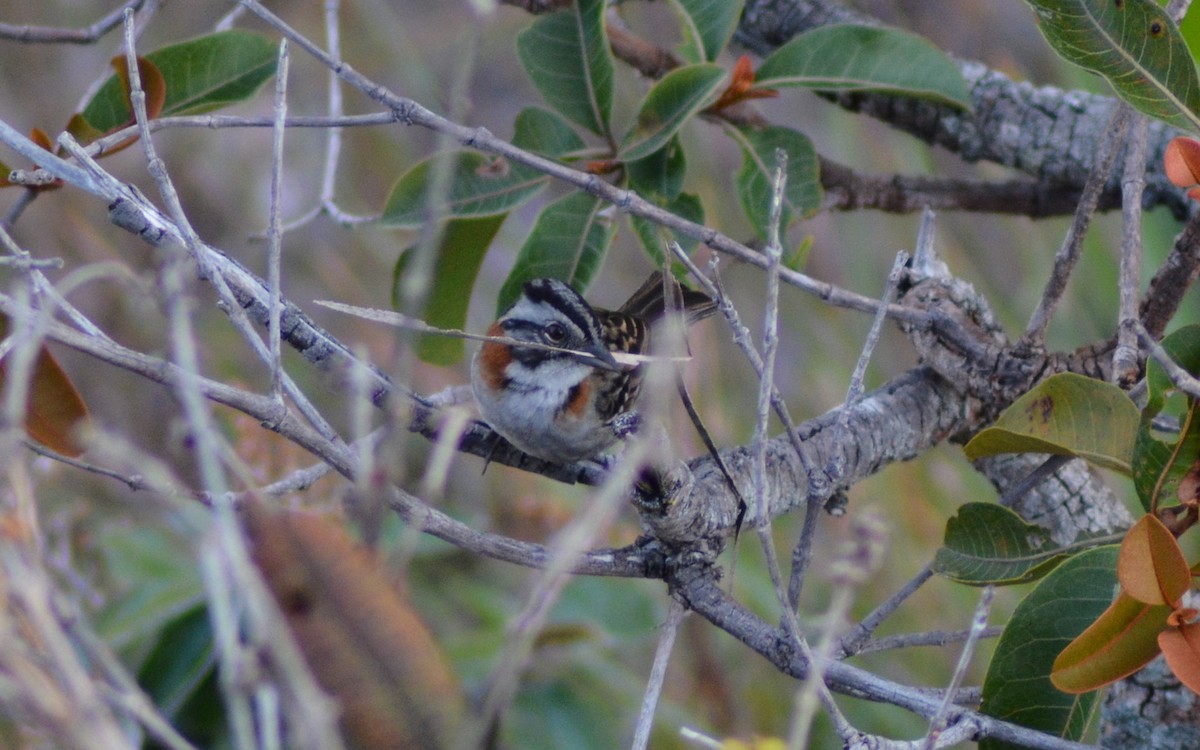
(1181, 647)
(1151, 567)
(1182, 161)
(1117, 644)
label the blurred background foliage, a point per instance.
(126, 556)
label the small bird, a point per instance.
(575, 402)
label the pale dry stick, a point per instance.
(226, 545)
(400, 320)
(52, 683)
(770, 346)
(658, 673)
(852, 641)
(412, 113)
(333, 141)
(123, 690)
(102, 146)
(568, 547)
(1133, 182)
(1072, 244)
(232, 655)
(848, 571)
(700, 739)
(196, 249)
(58, 35)
(817, 481)
(1181, 378)
(275, 227)
(855, 390)
(43, 287)
(937, 724)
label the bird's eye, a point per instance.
(555, 333)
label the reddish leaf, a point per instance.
(153, 84)
(1182, 161)
(38, 136)
(1151, 567)
(740, 86)
(155, 88)
(1181, 647)
(54, 410)
(1117, 644)
(365, 643)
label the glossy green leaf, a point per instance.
(659, 176)
(568, 242)
(847, 57)
(803, 192)
(1120, 642)
(1066, 414)
(201, 75)
(460, 252)
(544, 132)
(987, 543)
(566, 55)
(654, 237)
(1153, 456)
(1134, 45)
(1062, 605)
(179, 661)
(707, 26)
(674, 100)
(479, 186)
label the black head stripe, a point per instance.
(566, 300)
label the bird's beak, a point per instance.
(601, 357)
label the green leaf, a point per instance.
(654, 237)
(987, 543)
(200, 75)
(165, 583)
(1067, 415)
(1135, 45)
(544, 132)
(659, 176)
(1152, 456)
(566, 55)
(479, 186)
(802, 194)
(846, 57)
(179, 661)
(463, 244)
(1017, 687)
(568, 242)
(707, 26)
(672, 102)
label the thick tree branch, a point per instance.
(1044, 132)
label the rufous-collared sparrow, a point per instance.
(575, 401)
